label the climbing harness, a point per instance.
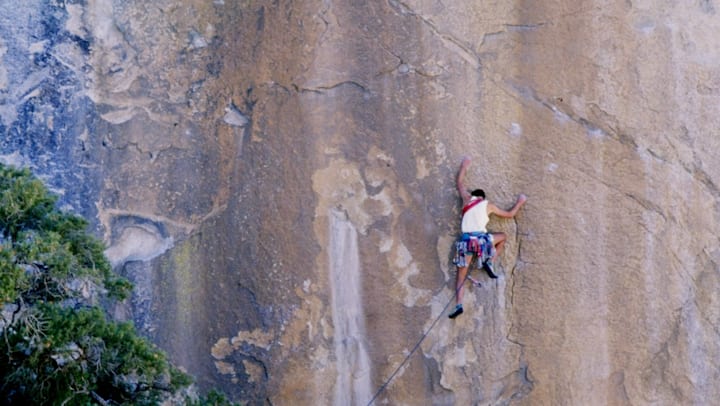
(480, 244)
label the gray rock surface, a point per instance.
(277, 178)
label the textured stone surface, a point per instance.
(277, 178)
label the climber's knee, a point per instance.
(498, 238)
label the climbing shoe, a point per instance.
(458, 311)
(489, 269)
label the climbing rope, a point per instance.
(442, 313)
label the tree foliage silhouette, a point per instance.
(57, 345)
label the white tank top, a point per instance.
(476, 219)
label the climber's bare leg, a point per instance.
(459, 282)
(499, 243)
(459, 286)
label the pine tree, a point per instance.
(58, 346)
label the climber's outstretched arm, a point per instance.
(464, 193)
(492, 209)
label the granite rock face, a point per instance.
(277, 178)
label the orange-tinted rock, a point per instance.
(278, 178)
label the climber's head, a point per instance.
(478, 193)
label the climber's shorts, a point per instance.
(479, 244)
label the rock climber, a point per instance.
(476, 241)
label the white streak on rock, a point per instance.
(352, 385)
(233, 116)
(516, 129)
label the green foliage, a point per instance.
(52, 247)
(24, 201)
(76, 356)
(13, 278)
(59, 347)
(213, 398)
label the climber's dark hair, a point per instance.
(478, 193)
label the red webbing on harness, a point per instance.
(471, 205)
